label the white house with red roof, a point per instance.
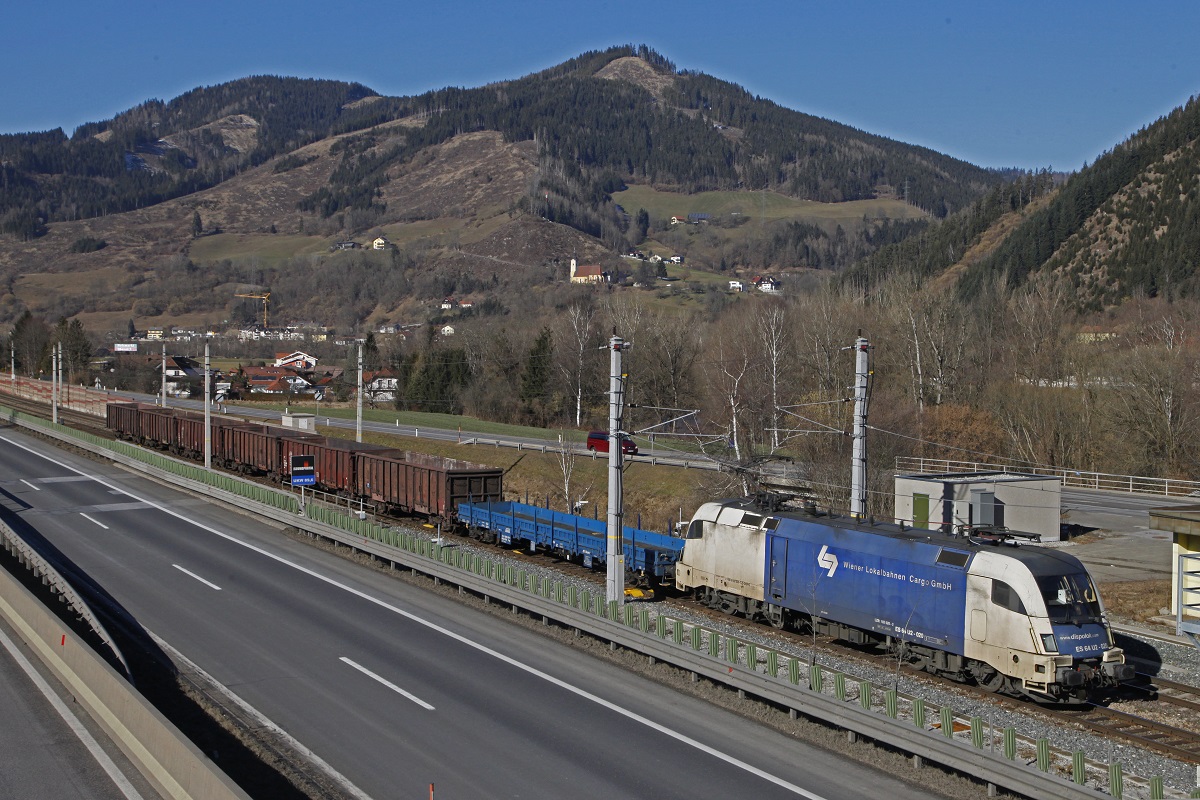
(295, 360)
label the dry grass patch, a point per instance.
(1136, 601)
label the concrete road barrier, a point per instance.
(167, 759)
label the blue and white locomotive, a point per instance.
(1015, 619)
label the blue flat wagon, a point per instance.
(648, 555)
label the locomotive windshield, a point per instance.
(1070, 599)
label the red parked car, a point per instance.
(598, 442)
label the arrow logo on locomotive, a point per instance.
(827, 560)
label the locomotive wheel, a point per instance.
(995, 682)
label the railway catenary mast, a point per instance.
(858, 468)
(615, 563)
(207, 409)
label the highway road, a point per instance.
(47, 750)
(394, 686)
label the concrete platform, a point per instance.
(1121, 545)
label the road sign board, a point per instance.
(304, 470)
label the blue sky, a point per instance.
(1026, 84)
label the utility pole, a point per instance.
(358, 422)
(858, 468)
(615, 563)
(12, 364)
(207, 410)
(164, 375)
(54, 384)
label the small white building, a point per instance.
(735, 286)
(304, 422)
(959, 501)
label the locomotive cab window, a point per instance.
(1004, 596)
(695, 529)
(1070, 598)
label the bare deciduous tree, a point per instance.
(775, 339)
(577, 331)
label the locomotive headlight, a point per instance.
(1048, 643)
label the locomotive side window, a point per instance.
(953, 558)
(1004, 596)
(695, 530)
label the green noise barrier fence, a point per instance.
(687, 637)
(247, 489)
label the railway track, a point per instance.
(1176, 694)
(69, 417)
(1182, 745)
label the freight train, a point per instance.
(391, 481)
(1015, 618)
(385, 480)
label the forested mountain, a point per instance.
(162, 150)
(681, 130)
(1128, 224)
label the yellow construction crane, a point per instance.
(266, 299)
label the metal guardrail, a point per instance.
(782, 679)
(686, 463)
(52, 578)
(1079, 479)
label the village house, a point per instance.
(179, 374)
(380, 243)
(767, 284)
(274, 380)
(588, 273)
(380, 386)
(296, 360)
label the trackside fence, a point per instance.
(998, 757)
(1078, 479)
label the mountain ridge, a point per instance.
(292, 165)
